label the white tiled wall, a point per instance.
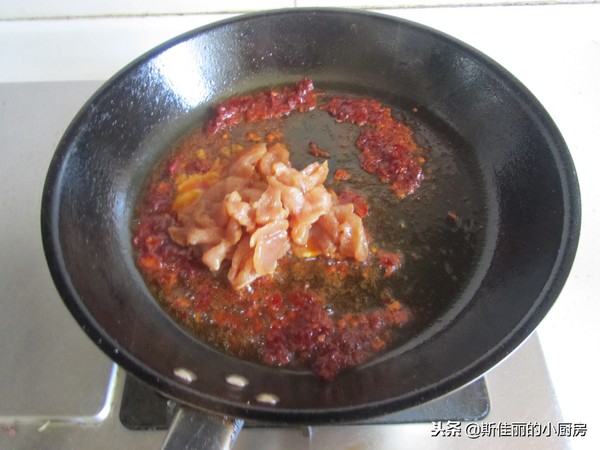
(79, 8)
(35, 9)
(427, 3)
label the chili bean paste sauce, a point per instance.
(324, 312)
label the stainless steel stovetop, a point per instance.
(58, 391)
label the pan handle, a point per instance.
(194, 429)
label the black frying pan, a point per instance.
(530, 207)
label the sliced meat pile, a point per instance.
(257, 208)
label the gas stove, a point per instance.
(58, 391)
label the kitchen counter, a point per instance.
(554, 49)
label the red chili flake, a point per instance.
(377, 320)
(361, 209)
(317, 151)
(341, 175)
(274, 136)
(253, 137)
(390, 262)
(396, 314)
(377, 343)
(173, 166)
(181, 303)
(275, 302)
(150, 262)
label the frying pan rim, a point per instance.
(553, 286)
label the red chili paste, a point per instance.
(272, 104)
(387, 147)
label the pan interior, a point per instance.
(439, 230)
(497, 161)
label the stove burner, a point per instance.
(142, 408)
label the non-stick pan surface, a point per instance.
(527, 185)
